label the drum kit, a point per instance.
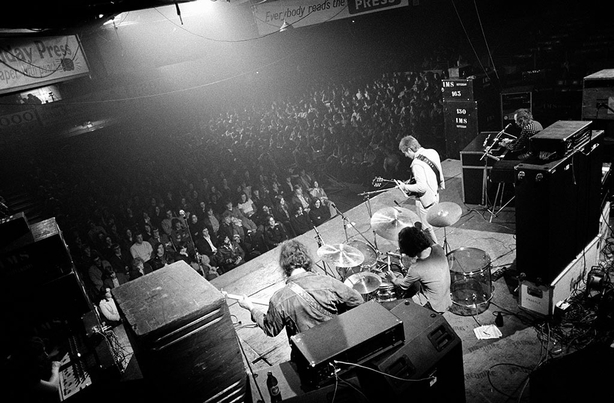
(358, 262)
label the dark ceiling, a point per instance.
(67, 16)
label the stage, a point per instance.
(518, 347)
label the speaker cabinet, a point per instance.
(431, 358)
(182, 335)
(463, 120)
(513, 99)
(557, 211)
(344, 388)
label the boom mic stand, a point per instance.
(367, 196)
(320, 242)
(345, 225)
(187, 226)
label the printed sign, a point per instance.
(35, 62)
(271, 15)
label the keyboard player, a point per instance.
(518, 149)
(32, 376)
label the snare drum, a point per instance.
(386, 292)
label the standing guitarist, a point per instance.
(428, 175)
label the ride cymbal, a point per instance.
(444, 214)
(389, 221)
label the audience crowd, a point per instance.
(236, 185)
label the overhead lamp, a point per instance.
(285, 26)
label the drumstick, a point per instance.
(238, 297)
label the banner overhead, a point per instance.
(270, 16)
(34, 62)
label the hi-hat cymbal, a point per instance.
(364, 282)
(342, 255)
(444, 214)
(389, 221)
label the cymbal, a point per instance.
(342, 255)
(444, 214)
(389, 221)
(364, 282)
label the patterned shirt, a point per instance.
(290, 310)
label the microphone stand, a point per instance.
(320, 242)
(187, 226)
(494, 141)
(367, 196)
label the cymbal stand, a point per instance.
(446, 245)
(367, 197)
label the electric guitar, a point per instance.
(378, 181)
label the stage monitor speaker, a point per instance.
(182, 335)
(431, 360)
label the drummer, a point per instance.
(306, 300)
(427, 280)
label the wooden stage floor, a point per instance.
(490, 366)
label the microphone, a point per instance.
(508, 126)
(318, 237)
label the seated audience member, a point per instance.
(161, 257)
(253, 245)
(167, 222)
(128, 239)
(227, 256)
(101, 275)
(246, 223)
(205, 245)
(230, 226)
(120, 262)
(161, 238)
(246, 205)
(259, 200)
(196, 226)
(427, 280)
(108, 309)
(261, 218)
(282, 214)
(138, 268)
(211, 222)
(274, 233)
(141, 248)
(319, 213)
(107, 247)
(179, 228)
(299, 199)
(300, 221)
